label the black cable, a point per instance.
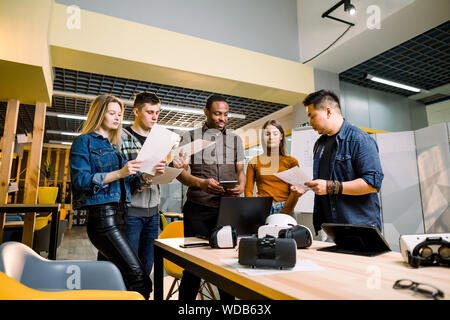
(348, 28)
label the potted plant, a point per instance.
(47, 195)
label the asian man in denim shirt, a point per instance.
(346, 171)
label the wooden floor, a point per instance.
(76, 245)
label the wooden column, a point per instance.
(9, 134)
(34, 167)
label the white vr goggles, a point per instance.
(426, 249)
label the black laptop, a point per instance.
(245, 214)
(355, 239)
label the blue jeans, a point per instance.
(276, 207)
(141, 231)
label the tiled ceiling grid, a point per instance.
(422, 62)
(96, 84)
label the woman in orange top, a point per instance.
(274, 159)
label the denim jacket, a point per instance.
(92, 157)
(356, 156)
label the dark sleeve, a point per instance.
(367, 161)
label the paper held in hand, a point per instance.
(156, 147)
(294, 176)
(192, 147)
(167, 177)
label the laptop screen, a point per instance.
(245, 214)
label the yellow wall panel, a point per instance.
(118, 47)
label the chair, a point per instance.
(11, 289)
(24, 265)
(173, 216)
(15, 233)
(162, 221)
(176, 230)
(41, 239)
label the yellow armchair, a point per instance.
(11, 289)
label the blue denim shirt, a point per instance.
(356, 156)
(92, 157)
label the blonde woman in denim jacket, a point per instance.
(102, 182)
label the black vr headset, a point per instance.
(301, 234)
(268, 252)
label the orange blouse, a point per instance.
(261, 169)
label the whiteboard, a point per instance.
(302, 145)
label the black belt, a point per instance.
(107, 209)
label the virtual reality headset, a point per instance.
(268, 252)
(426, 249)
(223, 237)
(284, 226)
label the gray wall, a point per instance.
(326, 80)
(265, 26)
(379, 110)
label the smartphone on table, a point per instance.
(194, 245)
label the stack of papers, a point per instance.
(158, 145)
(301, 265)
(192, 147)
(167, 177)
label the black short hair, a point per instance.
(145, 97)
(214, 98)
(320, 96)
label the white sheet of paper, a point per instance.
(167, 177)
(156, 147)
(13, 187)
(192, 147)
(294, 176)
(301, 265)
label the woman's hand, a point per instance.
(131, 167)
(298, 190)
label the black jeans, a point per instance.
(106, 230)
(198, 220)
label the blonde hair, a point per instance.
(96, 115)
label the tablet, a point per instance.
(355, 239)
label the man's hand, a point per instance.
(319, 186)
(211, 186)
(299, 191)
(235, 191)
(181, 161)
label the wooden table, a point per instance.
(345, 276)
(30, 211)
